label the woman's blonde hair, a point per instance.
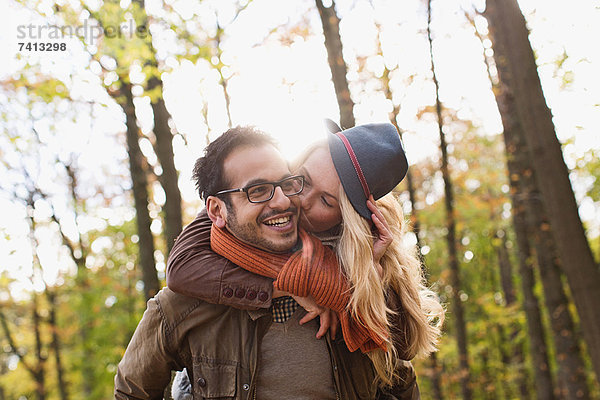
(423, 315)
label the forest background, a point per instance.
(98, 138)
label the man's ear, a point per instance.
(217, 211)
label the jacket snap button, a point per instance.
(263, 296)
(201, 382)
(228, 292)
(251, 294)
(245, 386)
(239, 293)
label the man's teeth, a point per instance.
(278, 221)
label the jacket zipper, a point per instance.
(333, 362)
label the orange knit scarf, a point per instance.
(312, 271)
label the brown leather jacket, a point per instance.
(220, 347)
(194, 270)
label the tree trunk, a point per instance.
(537, 342)
(36, 371)
(40, 369)
(140, 194)
(506, 273)
(132, 317)
(436, 368)
(457, 307)
(515, 160)
(517, 358)
(78, 252)
(333, 43)
(505, 357)
(56, 348)
(137, 162)
(163, 146)
(507, 26)
(86, 317)
(169, 177)
(571, 368)
(511, 124)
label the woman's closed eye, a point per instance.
(325, 202)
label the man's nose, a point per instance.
(280, 200)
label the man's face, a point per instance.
(271, 225)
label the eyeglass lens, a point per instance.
(265, 191)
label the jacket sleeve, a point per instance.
(145, 370)
(406, 389)
(194, 270)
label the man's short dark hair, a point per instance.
(208, 171)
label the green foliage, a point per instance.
(104, 301)
(101, 298)
(589, 167)
(482, 209)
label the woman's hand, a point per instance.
(328, 319)
(383, 235)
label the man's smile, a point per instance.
(280, 222)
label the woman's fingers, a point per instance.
(378, 218)
(309, 317)
(327, 318)
(335, 323)
(382, 231)
(373, 207)
(325, 321)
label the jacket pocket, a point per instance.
(214, 380)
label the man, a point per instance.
(234, 353)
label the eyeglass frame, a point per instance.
(275, 186)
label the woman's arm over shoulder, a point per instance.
(194, 270)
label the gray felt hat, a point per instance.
(369, 159)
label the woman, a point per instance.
(343, 177)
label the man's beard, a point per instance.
(248, 232)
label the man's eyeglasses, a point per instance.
(261, 192)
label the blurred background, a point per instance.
(105, 105)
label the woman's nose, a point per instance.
(304, 197)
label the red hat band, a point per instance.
(359, 173)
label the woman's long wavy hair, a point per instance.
(402, 273)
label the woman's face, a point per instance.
(319, 199)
